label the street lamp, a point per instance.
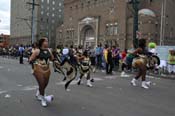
(135, 5)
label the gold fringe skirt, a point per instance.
(42, 70)
(140, 61)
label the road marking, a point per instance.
(110, 77)
(63, 83)
(125, 76)
(8, 69)
(75, 81)
(83, 108)
(1, 67)
(30, 88)
(98, 79)
(109, 87)
(154, 84)
(19, 85)
(1, 92)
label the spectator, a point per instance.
(116, 56)
(65, 53)
(21, 54)
(171, 61)
(99, 52)
(92, 58)
(108, 59)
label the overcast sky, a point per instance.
(5, 16)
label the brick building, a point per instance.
(90, 22)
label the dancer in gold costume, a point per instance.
(41, 59)
(140, 62)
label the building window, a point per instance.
(42, 12)
(41, 19)
(112, 29)
(89, 3)
(76, 6)
(71, 8)
(47, 1)
(53, 2)
(115, 28)
(42, 7)
(82, 5)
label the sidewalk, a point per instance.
(131, 74)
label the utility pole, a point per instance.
(135, 5)
(33, 4)
(163, 21)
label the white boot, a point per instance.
(32, 71)
(49, 98)
(144, 85)
(37, 93)
(133, 82)
(43, 101)
(93, 70)
(148, 83)
(89, 83)
(38, 96)
(122, 74)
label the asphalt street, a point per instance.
(110, 96)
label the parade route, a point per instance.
(110, 96)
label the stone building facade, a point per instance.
(92, 22)
(20, 24)
(47, 16)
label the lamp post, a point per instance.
(135, 5)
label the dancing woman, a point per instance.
(140, 62)
(41, 58)
(84, 67)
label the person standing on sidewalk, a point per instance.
(171, 61)
(21, 54)
(108, 59)
(99, 52)
(92, 58)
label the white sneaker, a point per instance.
(38, 96)
(148, 83)
(79, 80)
(49, 98)
(89, 83)
(133, 82)
(144, 85)
(37, 93)
(43, 101)
(32, 71)
(85, 75)
(94, 70)
(122, 73)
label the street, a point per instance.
(110, 96)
